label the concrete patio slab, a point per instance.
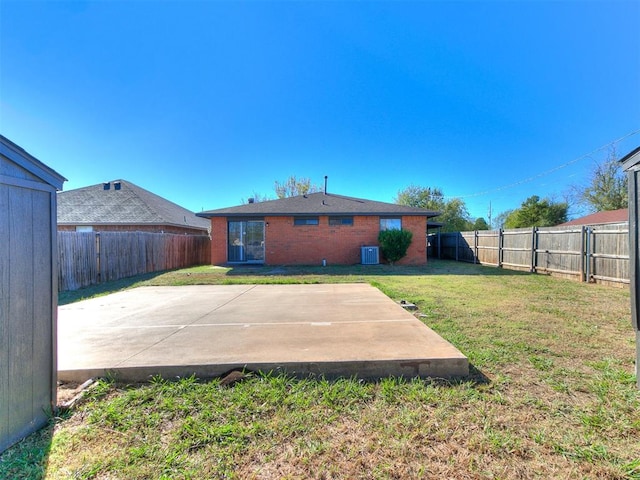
(348, 330)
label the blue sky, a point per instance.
(205, 103)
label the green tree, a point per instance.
(453, 213)
(480, 224)
(607, 188)
(501, 218)
(537, 213)
(394, 243)
(295, 186)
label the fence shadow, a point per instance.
(106, 288)
(29, 457)
(434, 267)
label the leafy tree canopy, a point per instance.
(537, 213)
(454, 213)
(502, 218)
(480, 224)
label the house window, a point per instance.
(390, 223)
(299, 221)
(333, 221)
(84, 228)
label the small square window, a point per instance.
(300, 221)
(333, 221)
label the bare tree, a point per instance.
(295, 186)
(607, 187)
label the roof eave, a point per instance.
(631, 161)
(306, 214)
(27, 161)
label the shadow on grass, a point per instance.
(476, 376)
(28, 458)
(104, 288)
(434, 267)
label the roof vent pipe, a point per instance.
(325, 184)
(252, 200)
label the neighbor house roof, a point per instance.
(317, 204)
(120, 202)
(599, 218)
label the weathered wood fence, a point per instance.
(594, 253)
(89, 258)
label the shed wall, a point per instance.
(634, 247)
(27, 309)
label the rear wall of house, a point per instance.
(287, 244)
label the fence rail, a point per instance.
(89, 258)
(594, 253)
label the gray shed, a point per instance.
(28, 292)
(631, 164)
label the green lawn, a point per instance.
(552, 395)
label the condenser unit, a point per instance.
(370, 255)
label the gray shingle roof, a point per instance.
(317, 204)
(129, 205)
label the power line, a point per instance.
(547, 172)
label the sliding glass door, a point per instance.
(246, 241)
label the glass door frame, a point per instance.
(245, 240)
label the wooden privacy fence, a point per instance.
(88, 258)
(594, 253)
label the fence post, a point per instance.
(500, 247)
(582, 253)
(458, 235)
(98, 260)
(439, 245)
(475, 247)
(534, 243)
(588, 255)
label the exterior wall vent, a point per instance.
(370, 255)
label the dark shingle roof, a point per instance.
(128, 205)
(317, 204)
(631, 159)
(609, 216)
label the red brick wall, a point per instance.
(286, 244)
(218, 240)
(417, 253)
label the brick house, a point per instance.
(120, 205)
(307, 229)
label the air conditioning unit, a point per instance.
(370, 255)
